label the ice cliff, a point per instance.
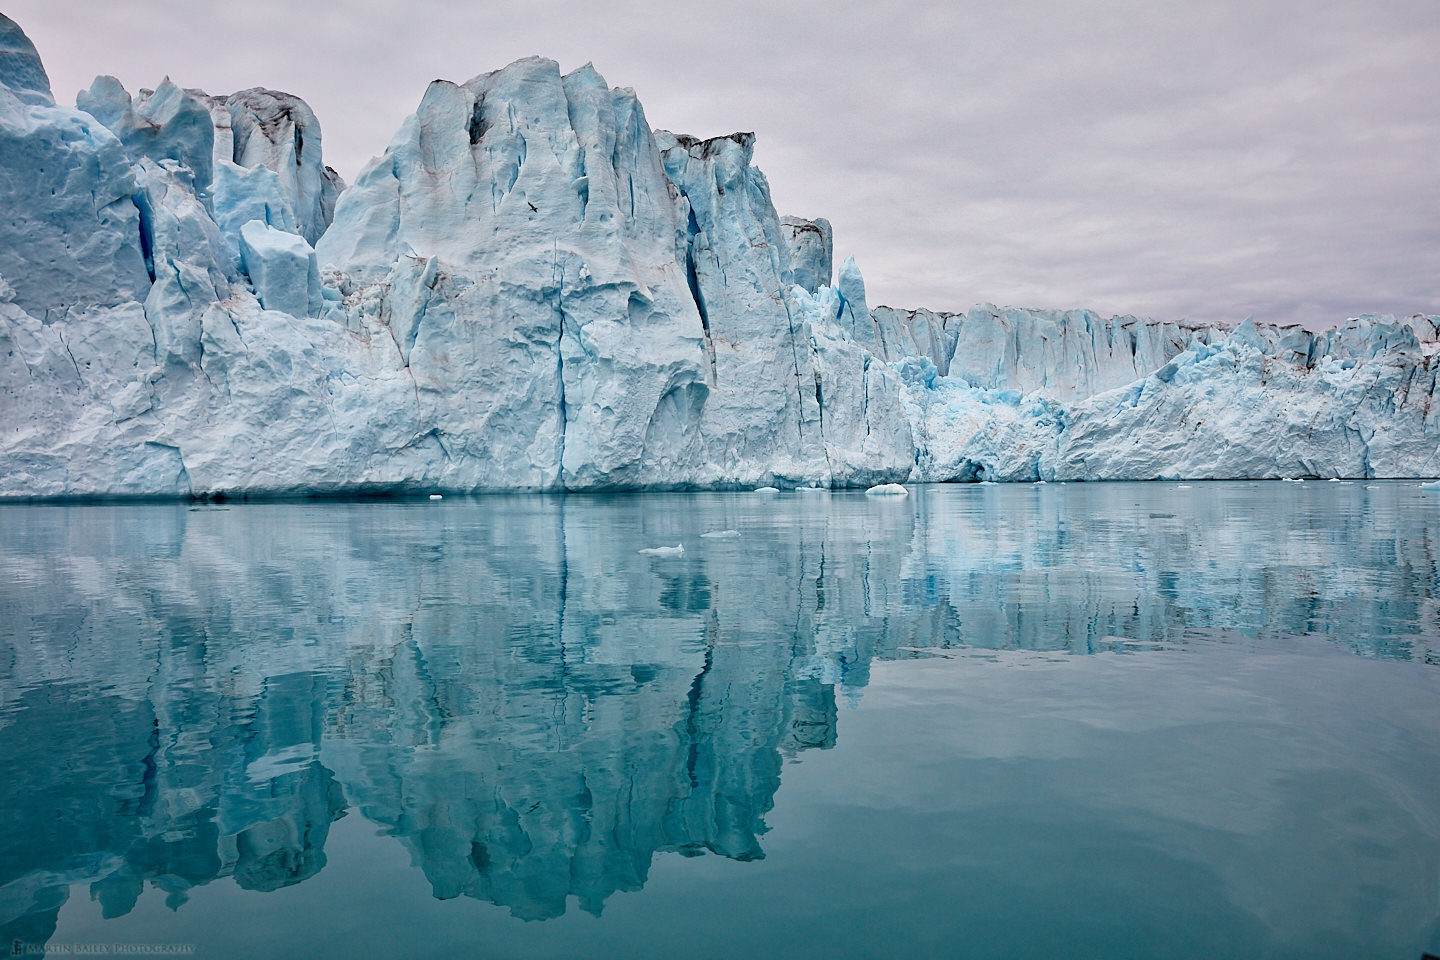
(532, 289)
(1256, 401)
(529, 289)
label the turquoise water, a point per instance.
(1084, 720)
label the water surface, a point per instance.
(1056, 720)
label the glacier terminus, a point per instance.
(532, 289)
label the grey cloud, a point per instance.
(1211, 161)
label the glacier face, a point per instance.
(582, 303)
(528, 290)
(531, 289)
(1258, 401)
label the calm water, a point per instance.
(1104, 720)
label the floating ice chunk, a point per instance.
(987, 483)
(812, 489)
(1290, 480)
(1334, 480)
(887, 490)
(721, 535)
(1432, 485)
(767, 491)
(675, 551)
(437, 496)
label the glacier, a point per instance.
(532, 289)
(1258, 401)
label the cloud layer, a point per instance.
(1205, 160)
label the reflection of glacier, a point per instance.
(533, 708)
(520, 771)
(176, 789)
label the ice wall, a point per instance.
(528, 290)
(1255, 402)
(532, 290)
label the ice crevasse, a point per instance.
(532, 289)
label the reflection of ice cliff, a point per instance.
(523, 762)
(529, 705)
(185, 785)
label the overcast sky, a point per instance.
(1210, 160)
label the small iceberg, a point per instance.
(812, 489)
(767, 491)
(720, 535)
(887, 490)
(1432, 485)
(987, 483)
(1334, 480)
(676, 551)
(437, 496)
(1290, 480)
